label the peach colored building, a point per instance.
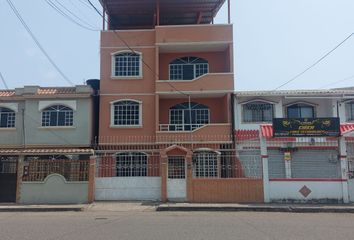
(165, 129)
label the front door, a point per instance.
(176, 179)
(8, 179)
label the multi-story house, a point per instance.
(46, 134)
(165, 103)
(299, 168)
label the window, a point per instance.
(257, 112)
(126, 113)
(188, 68)
(131, 164)
(182, 119)
(127, 64)
(205, 164)
(176, 167)
(57, 115)
(350, 111)
(301, 111)
(7, 118)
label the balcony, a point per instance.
(216, 82)
(180, 133)
(215, 33)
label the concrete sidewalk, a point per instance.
(119, 206)
(296, 208)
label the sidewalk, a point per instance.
(116, 206)
(295, 208)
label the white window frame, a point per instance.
(207, 172)
(301, 103)
(11, 118)
(184, 64)
(131, 168)
(350, 111)
(57, 126)
(112, 125)
(113, 62)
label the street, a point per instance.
(102, 225)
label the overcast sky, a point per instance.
(274, 40)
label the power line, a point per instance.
(132, 50)
(315, 63)
(3, 81)
(65, 15)
(339, 81)
(14, 9)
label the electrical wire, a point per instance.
(339, 81)
(61, 12)
(18, 15)
(315, 63)
(3, 81)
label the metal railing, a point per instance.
(179, 127)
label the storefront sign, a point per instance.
(306, 127)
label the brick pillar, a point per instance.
(163, 174)
(189, 177)
(91, 179)
(19, 177)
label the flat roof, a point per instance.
(128, 14)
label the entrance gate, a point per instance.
(176, 181)
(8, 179)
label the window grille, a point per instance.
(205, 165)
(188, 68)
(176, 167)
(127, 65)
(7, 118)
(126, 113)
(57, 116)
(131, 164)
(301, 111)
(350, 111)
(257, 112)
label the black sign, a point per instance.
(306, 127)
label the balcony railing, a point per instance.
(179, 127)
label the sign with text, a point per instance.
(306, 127)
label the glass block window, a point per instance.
(257, 112)
(185, 118)
(131, 164)
(188, 68)
(205, 164)
(7, 118)
(127, 65)
(57, 115)
(126, 113)
(300, 111)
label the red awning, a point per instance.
(267, 129)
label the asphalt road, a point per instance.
(101, 225)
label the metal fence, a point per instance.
(72, 170)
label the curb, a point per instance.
(38, 209)
(256, 209)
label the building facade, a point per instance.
(45, 144)
(165, 105)
(299, 169)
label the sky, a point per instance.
(274, 40)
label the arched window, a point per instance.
(205, 164)
(126, 113)
(126, 64)
(7, 118)
(57, 115)
(257, 111)
(131, 164)
(182, 119)
(188, 68)
(300, 110)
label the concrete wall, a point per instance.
(321, 191)
(128, 188)
(54, 190)
(78, 134)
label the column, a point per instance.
(163, 174)
(91, 179)
(189, 177)
(20, 160)
(344, 168)
(264, 156)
